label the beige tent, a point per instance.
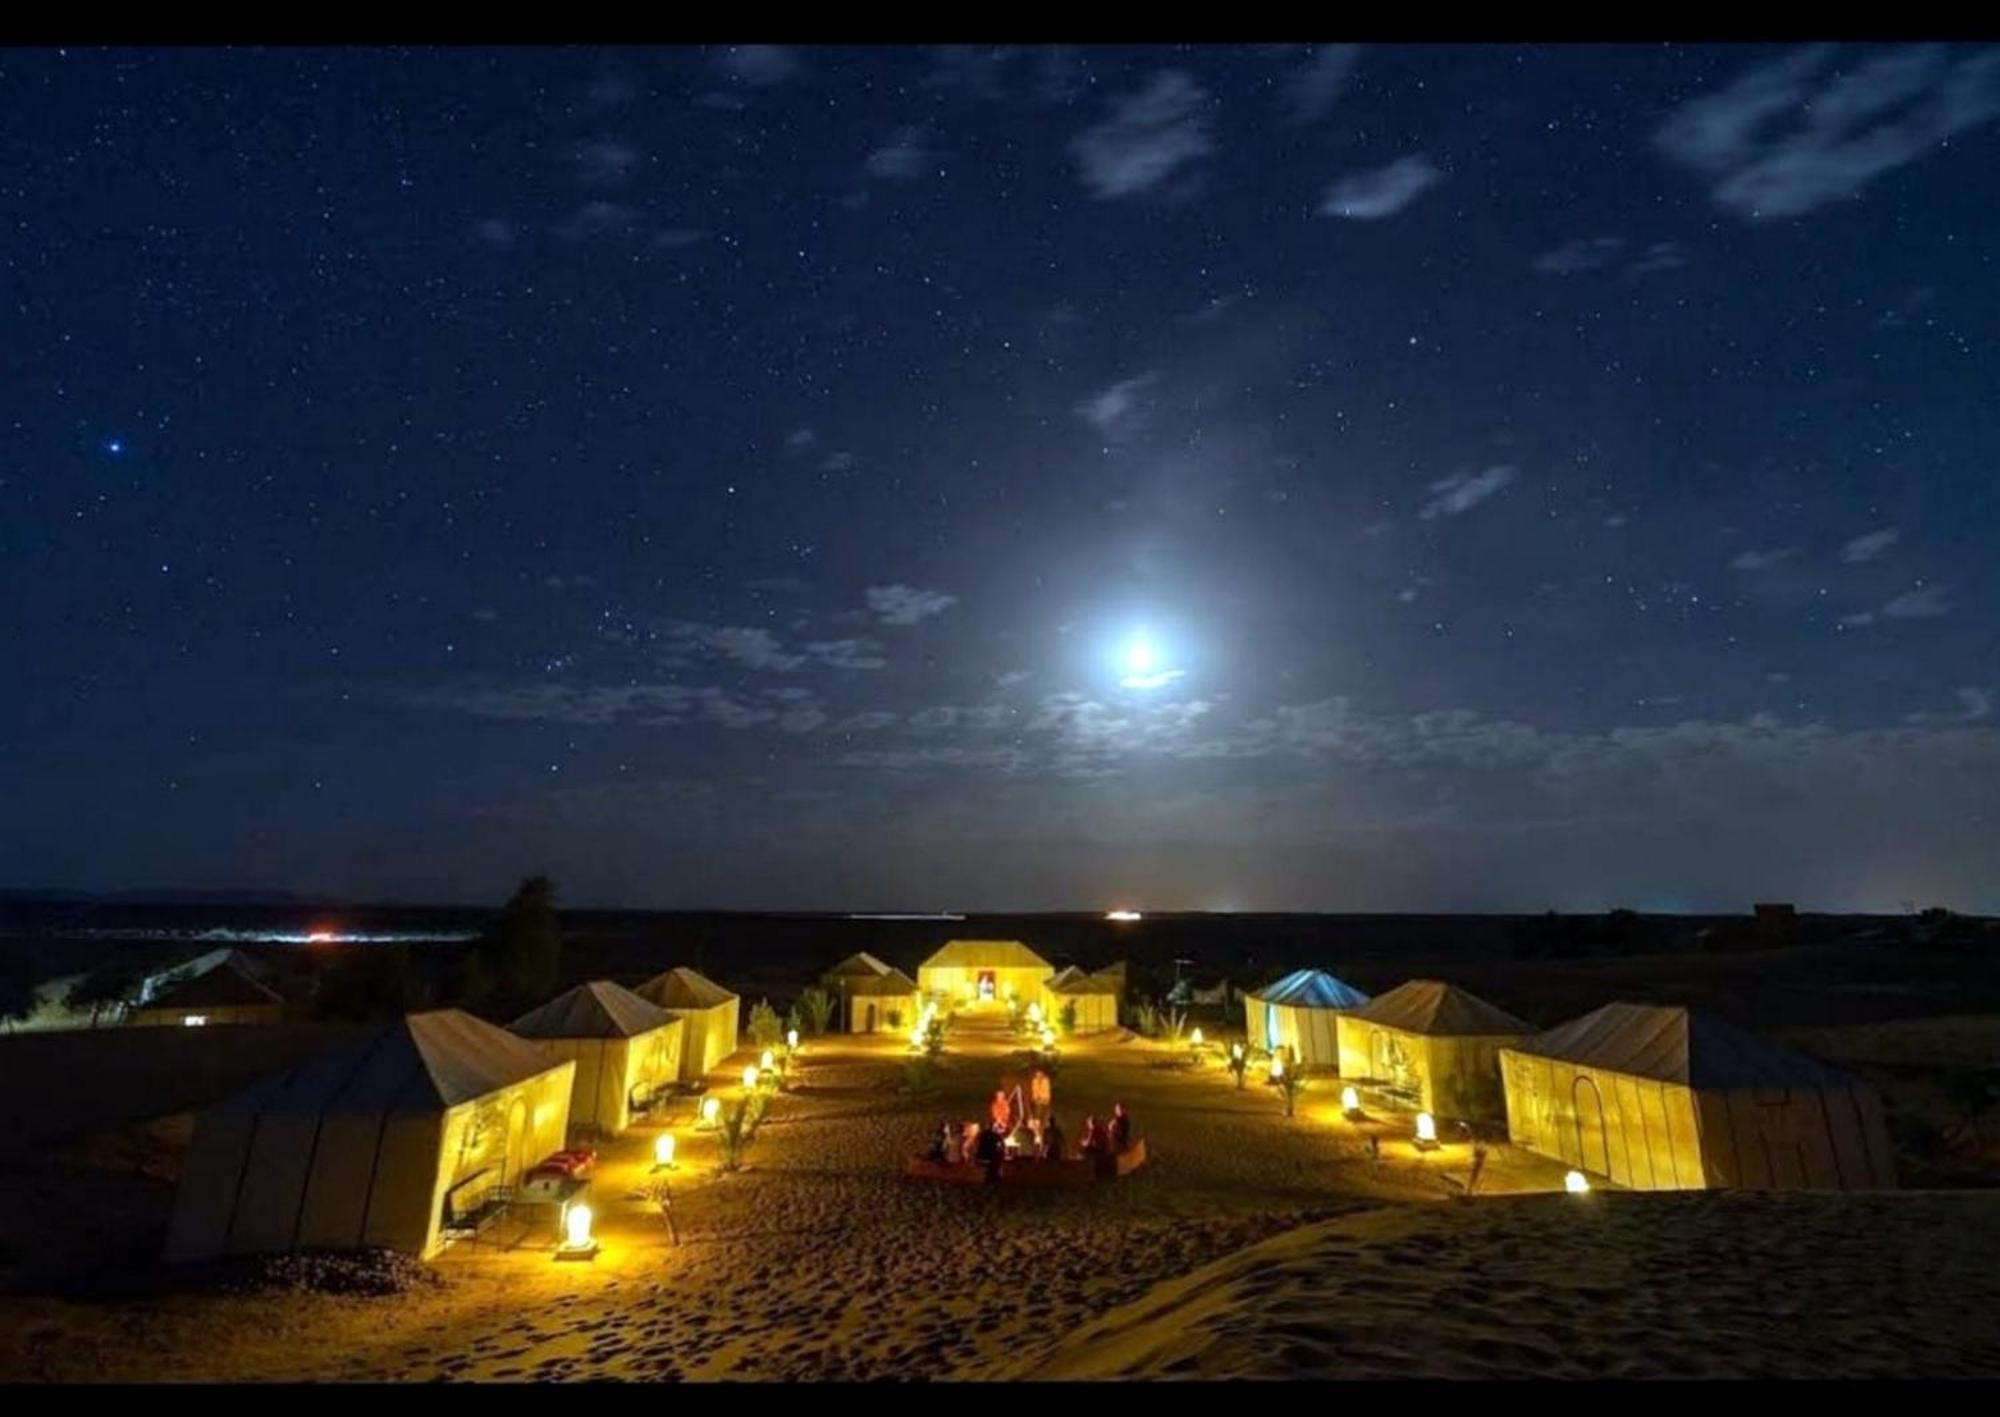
(1667, 1099)
(375, 1143)
(1095, 997)
(1433, 1047)
(228, 993)
(1297, 1014)
(711, 1012)
(983, 972)
(624, 1049)
(882, 1003)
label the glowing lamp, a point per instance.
(1576, 1183)
(194, 1021)
(1427, 1132)
(1236, 1051)
(663, 1149)
(576, 1226)
(1035, 1012)
(750, 1076)
(1196, 1038)
(792, 1039)
(1277, 1066)
(711, 1111)
(767, 1060)
(1350, 1101)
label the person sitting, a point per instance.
(990, 1153)
(1052, 1140)
(1093, 1136)
(968, 1141)
(954, 1144)
(1121, 1127)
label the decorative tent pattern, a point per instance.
(1660, 1098)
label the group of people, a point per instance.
(1014, 1131)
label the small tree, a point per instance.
(934, 1039)
(738, 1128)
(894, 1018)
(1291, 1082)
(1174, 1024)
(816, 1005)
(109, 986)
(523, 949)
(765, 1030)
(1067, 1018)
(1147, 1017)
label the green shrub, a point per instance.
(765, 1030)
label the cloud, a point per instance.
(675, 238)
(1148, 139)
(1309, 90)
(595, 219)
(837, 462)
(611, 91)
(1870, 545)
(1660, 256)
(1463, 491)
(1382, 191)
(759, 65)
(751, 647)
(799, 439)
(606, 162)
(1788, 137)
(1923, 603)
(1974, 706)
(1761, 560)
(496, 232)
(1583, 254)
(904, 158)
(906, 605)
(1122, 411)
(847, 654)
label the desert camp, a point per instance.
(382, 1143)
(710, 1013)
(226, 993)
(1431, 1047)
(1298, 1015)
(1661, 1098)
(625, 1050)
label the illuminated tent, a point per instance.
(882, 1003)
(227, 993)
(1669, 1099)
(710, 1011)
(1433, 1047)
(972, 971)
(1095, 996)
(1298, 1013)
(624, 1049)
(372, 1144)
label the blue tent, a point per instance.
(1297, 1013)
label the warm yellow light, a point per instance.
(195, 1021)
(1427, 1127)
(1236, 1050)
(1277, 1066)
(576, 1226)
(1035, 1013)
(711, 1110)
(1196, 1037)
(1350, 1100)
(1576, 1183)
(792, 1039)
(1123, 915)
(750, 1076)
(663, 1149)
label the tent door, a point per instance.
(871, 1019)
(1593, 1148)
(986, 985)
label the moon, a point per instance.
(1142, 663)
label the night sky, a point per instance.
(1200, 478)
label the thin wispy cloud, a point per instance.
(1870, 546)
(906, 605)
(1808, 130)
(496, 232)
(1381, 192)
(1761, 560)
(1460, 493)
(1309, 90)
(1150, 140)
(1597, 253)
(905, 157)
(1923, 603)
(611, 91)
(759, 65)
(606, 162)
(1974, 706)
(597, 219)
(1122, 411)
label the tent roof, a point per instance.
(986, 954)
(859, 965)
(227, 985)
(599, 1009)
(428, 1062)
(1312, 989)
(1678, 1045)
(1064, 975)
(682, 988)
(1077, 982)
(1434, 1007)
(894, 981)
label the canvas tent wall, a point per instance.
(712, 1015)
(992, 971)
(1433, 1047)
(1094, 996)
(228, 993)
(370, 1143)
(882, 1003)
(624, 1049)
(1669, 1099)
(1298, 1013)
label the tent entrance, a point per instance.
(1593, 1147)
(986, 984)
(1271, 1027)
(871, 1019)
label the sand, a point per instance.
(822, 1260)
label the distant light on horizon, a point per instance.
(1123, 915)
